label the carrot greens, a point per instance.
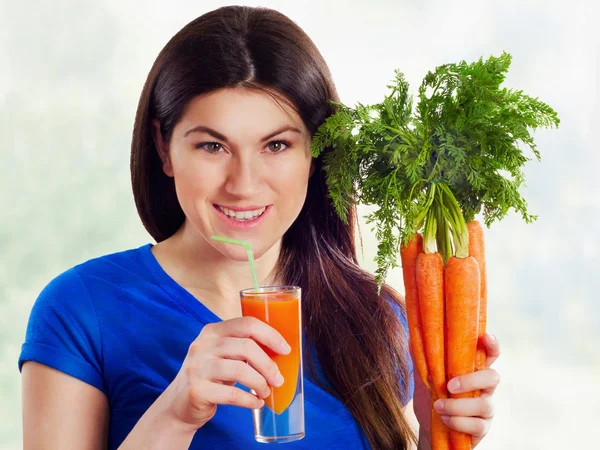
(459, 152)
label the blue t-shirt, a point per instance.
(121, 324)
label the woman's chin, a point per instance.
(238, 253)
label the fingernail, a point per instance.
(445, 419)
(454, 385)
(261, 403)
(286, 347)
(439, 405)
(278, 379)
(493, 338)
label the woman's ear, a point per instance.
(162, 148)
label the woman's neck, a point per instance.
(214, 279)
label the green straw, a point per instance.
(248, 248)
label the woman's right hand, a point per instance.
(223, 354)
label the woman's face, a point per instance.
(241, 163)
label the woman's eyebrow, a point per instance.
(222, 137)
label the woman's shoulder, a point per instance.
(111, 263)
(73, 283)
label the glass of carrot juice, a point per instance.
(281, 419)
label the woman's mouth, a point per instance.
(242, 216)
(242, 219)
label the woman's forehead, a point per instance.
(238, 109)
(263, 97)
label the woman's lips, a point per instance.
(246, 223)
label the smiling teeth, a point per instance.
(243, 215)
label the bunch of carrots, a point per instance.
(430, 169)
(446, 302)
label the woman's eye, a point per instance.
(210, 147)
(278, 146)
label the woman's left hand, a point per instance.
(468, 415)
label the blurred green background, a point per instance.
(71, 75)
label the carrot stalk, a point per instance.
(430, 282)
(477, 250)
(462, 282)
(408, 254)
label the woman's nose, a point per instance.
(243, 177)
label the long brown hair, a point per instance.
(354, 333)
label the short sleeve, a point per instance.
(63, 331)
(401, 313)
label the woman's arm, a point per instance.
(63, 412)
(60, 411)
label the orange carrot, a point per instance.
(477, 250)
(430, 283)
(409, 255)
(462, 282)
(440, 433)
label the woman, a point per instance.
(143, 348)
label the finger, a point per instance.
(242, 349)
(249, 327)
(246, 349)
(487, 380)
(239, 372)
(468, 407)
(222, 394)
(474, 426)
(492, 348)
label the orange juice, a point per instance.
(281, 311)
